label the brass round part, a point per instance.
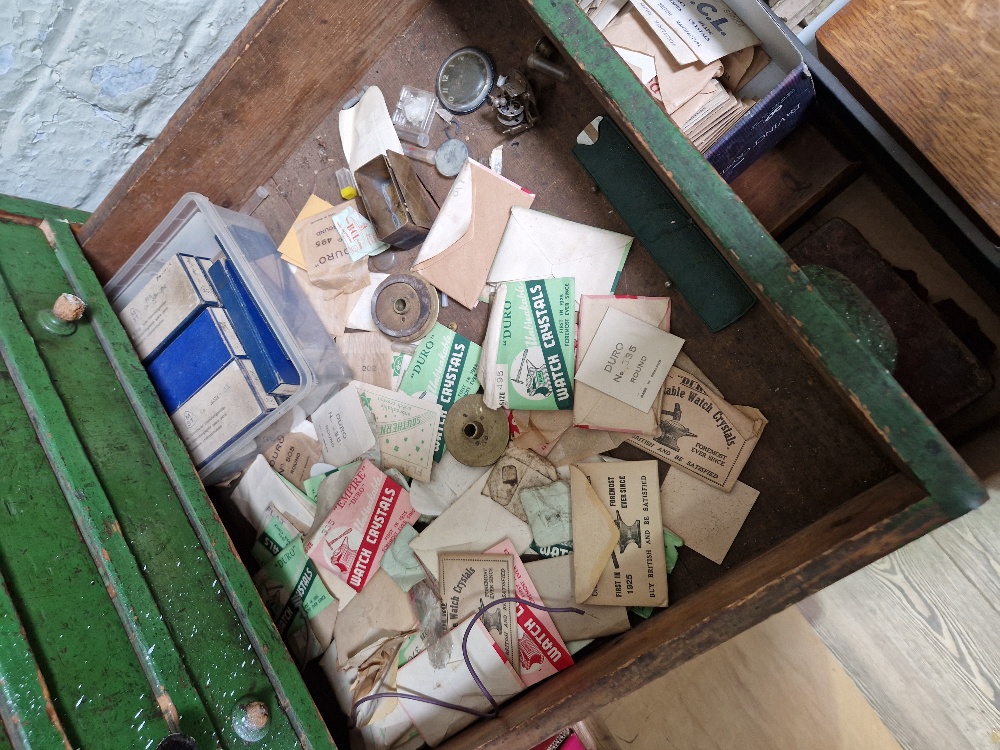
(475, 434)
(405, 307)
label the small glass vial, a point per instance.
(345, 181)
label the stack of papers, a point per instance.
(694, 64)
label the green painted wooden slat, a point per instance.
(914, 441)
(25, 709)
(292, 693)
(4, 739)
(95, 519)
(38, 210)
(71, 624)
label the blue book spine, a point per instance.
(276, 371)
(199, 353)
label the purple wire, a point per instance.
(492, 714)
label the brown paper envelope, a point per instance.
(707, 518)
(369, 356)
(553, 578)
(460, 271)
(578, 443)
(678, 83)
(597, 410)
(292, 455)
(760, 61)
(635, 571)
(381, 610)
(735, 65)
(702, 433)
(326, 257)
(594, 535)
(698, 107)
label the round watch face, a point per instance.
(465, 80)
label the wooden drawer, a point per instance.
(849, 469)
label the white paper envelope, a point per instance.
(536, 245)
(260, 487)
(366, 129)
(629, 359)
(472, 523)
(447, 678)
(461, 245)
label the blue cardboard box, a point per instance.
(276, 371)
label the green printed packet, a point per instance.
(528, 357)
(298, 601)
(443, 368)
(277, 534)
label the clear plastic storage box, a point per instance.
(197, 227)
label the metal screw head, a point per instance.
(250, 719)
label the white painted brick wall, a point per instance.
(86, 85)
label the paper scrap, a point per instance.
(553, 579)
(400, 562)
(702, 433)
(707, 518)
(380, 612)
(628, 359)
(515, 471)
(446, 677)
(472, 523)
(450, 480)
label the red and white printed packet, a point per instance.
(542, 650)
(360, 528)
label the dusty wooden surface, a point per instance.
(264, 95)
(773, 687)
(752, 362)
(803, 170)
(933, 69)
(917, 632)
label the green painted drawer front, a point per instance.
(125, 614)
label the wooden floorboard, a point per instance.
(918, 632)
(774, 687)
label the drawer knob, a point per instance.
(250, 718)
(61, 319)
